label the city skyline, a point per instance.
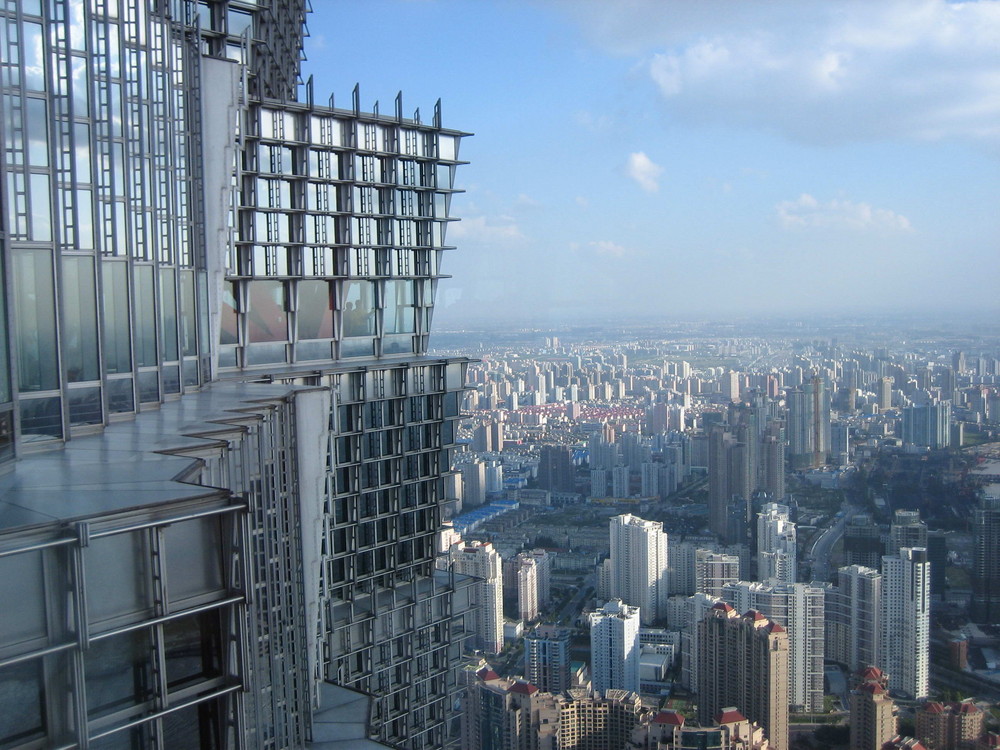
(745, 158)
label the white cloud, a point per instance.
(828, 71)
(807, 212)
(605, 247)
(481, 228)
(644, 171)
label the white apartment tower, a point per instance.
(638, 570)
(853, 617)
(713, 570)
(799, 607)
(776, 550)
(481, 560)
(614, 647)
(906, 607)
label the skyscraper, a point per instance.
(614, 647)
(547, 658)
(906, 607)
(638, 565)
(809, 424)
(776, 545)
(219, 300)
(986, 563)
(853, 617)
(743, 663)
(482, 561)
(873, 715)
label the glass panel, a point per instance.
(193, 649)
(37, 128)
(312, 350)
(315, 313)
(119, 672)
(399, 344)
(21, 581)
(145, 316)
(6, 435)
(149, 387)
(190, 372)
(34, 57)
(5, 395)
(189, 340)
(80, 348)
(82, 152)
(398, 314)
(117, 576)
(81, 87)
(34, 301)
(357, 348)
(266, 318)
(171, 379)
(227, 317)
(265, 354)
(202, 726)
(120, 396)
(41, 418)
(85, 406)
(193, 555)
(168, 314)
(114, 299)
(41, 208)
(359, 308)
(21, 685)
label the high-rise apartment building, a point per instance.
(873, 713)
(853, 617)
(950, 724)
(809, 424)
(614, 647)
(743, 663)
(224, 444)
(799, 608)
(985, 607)
(638, 565)
(547, 658)
(713, 571)
(481, 561)
(776, 545)
(927, 426)
(906, 606)
(906, 530)
(730, 480)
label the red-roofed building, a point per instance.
(730, 731)
(873, 713)
(956, 726)
(904, 743)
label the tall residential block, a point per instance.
(873, 713)
(223, 442)
(614, 647)
(985, 606)
(777, 560)
(639, 565)
(809, 424)
(853, 618)
(906, 606)
(482, 562)
(800, 609)
(743, 663)
(927, 426)
(950, 724)
(547, 658)
(713, 571)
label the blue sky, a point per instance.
(713, 158)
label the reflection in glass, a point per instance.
(189, 340)
(398, 314)
(41, 418)
(80, 319)
(21, 685)
(34, 301)
(145, 316)
(119, 672)
(227, 317)
(149, 387)
(168, 314)
(193, 649)
(266, 318)
(359, 308)
(120, 396)
(193, 558)
(114, 300)
(37, 128)
(41, 208)
(85, 406)
(315, 311)
(117, 577)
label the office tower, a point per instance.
(809, 424)
(481, 561)
(950, 724)
(776, 545)
(906, 530)
(985, 606)
(638, 570)
(743, 663)
(713, 570)
(853, 617)
(927, 426)
(219, 307)
(729, 479)
(614, 647)
(885, 394)
(799, 608)
(873, 713)
(555, 469)
(547, 658)
(906, 605)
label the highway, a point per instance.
(822, 546)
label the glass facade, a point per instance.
(182, 236)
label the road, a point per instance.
(822, 546)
